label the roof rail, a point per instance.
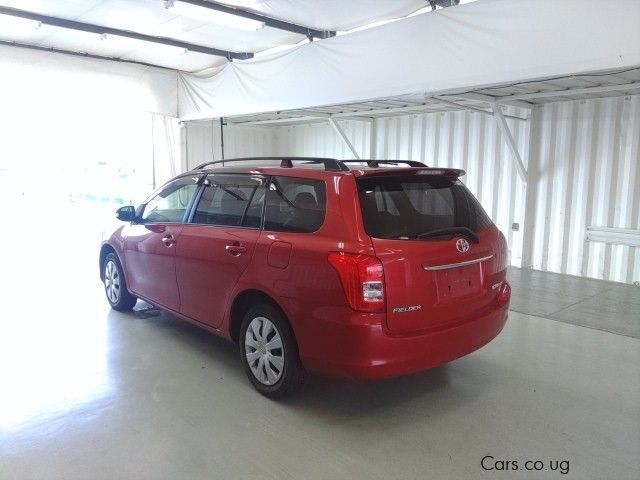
(376, 163)
(285, 162)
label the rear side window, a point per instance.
(231, 200)
(295, 205)
(407, 207)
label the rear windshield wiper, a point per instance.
(463, 231)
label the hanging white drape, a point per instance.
(166, 153)
(469, 46)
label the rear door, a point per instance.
(215, 247)
(442, 255)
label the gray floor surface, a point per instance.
(610, 306)
(89, 393)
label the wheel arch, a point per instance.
(105, 250)
(243, 301)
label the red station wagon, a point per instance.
(378, 270)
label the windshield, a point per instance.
(417, 206)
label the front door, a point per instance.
(150, 244)
(217, 245)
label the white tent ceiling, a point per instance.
(468, 50)
(332, 14)
(188, 23)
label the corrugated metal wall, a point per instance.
(320, 139)
(202, 141)
(584, 170)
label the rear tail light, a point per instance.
(362, 279)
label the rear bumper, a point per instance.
(361, 349)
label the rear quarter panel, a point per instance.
(308, 289)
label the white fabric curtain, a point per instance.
(84, 125)
(166, 155)
(478, 44)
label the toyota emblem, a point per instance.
(462, 245)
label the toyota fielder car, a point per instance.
(361, 269)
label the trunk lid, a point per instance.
(443, 258)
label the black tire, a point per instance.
(122, 300)
(291, 374)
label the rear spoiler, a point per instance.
(451, 173)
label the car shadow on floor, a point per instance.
(320, 396)
(354, 398)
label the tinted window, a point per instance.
(295, 205)
(231, 200)
(405, 207)
(170, 205)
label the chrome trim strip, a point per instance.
(455, 265)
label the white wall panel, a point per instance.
(202, 141)
(321, 140)
(585, 157)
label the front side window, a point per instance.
(232, 200)
(295, 205)
(170, 205)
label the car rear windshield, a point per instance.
(413, 206)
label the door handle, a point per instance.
(168, 240)
(235, 249)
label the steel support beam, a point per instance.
(476, 109)
(366, 115)
(100, 30)
(315, 117)
(83, 55)
(373, 140)
(344, 137)
(570, 91)
(276, 121)
(531, 192)
(415, 109)
(270, 22)
(382, 111)
(514, 100)
(481, 97)
(508, 138)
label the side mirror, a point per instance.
(126, 213)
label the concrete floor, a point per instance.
(88, 393)
(608, 306)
